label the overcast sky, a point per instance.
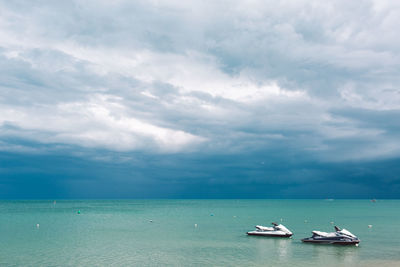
(199, 99)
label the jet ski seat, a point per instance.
(264, 228)
(324, 234)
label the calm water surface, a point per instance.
(120, 233)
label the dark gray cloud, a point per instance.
(139, 175)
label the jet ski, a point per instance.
(277, 230)
(340, 237)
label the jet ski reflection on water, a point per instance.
(278, 230)
(340, 237)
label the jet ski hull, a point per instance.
(330, 241)
(257, 233)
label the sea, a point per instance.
(194, 232)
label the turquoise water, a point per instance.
(120, 233)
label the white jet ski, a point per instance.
(278, 230)
(340, 237)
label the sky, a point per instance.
(199, 99)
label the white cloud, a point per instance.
(167, 76)
(100, 122)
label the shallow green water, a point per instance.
(119, 233)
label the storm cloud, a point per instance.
(200, 98)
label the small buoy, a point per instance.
(356, 245)
(195, 225)
(369, 225)
(37, 226)
(150, 220)
(331, 222)
(79, 212)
